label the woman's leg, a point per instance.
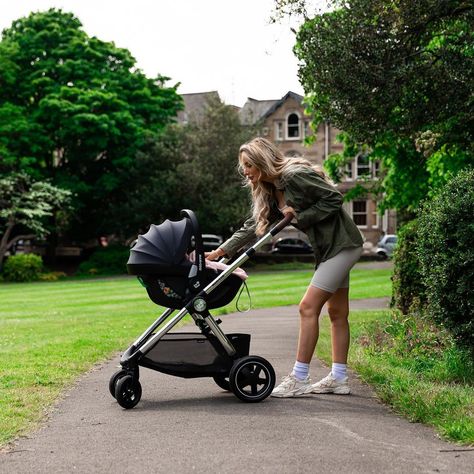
(310, 309)
(329, 283)
(298, 383)
(338, 309)
(336, 381)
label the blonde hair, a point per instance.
(273, 165)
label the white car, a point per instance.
(211, 241)
(386, 246)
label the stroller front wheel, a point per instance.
(114, 379)
(252, 378)
(128, 391)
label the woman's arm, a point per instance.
(240, 238)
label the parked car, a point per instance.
(211, 241)
(290, 245)
(386, 246)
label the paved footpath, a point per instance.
(192, 426)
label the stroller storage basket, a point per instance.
(192, 355)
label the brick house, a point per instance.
(284, 122)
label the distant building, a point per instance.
(195, 106)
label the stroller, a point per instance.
(160, 261)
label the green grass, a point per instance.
(52, 332)
(270, 289)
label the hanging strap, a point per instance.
(238, 298)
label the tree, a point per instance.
(191, 166)
(397, 76)
(209, 167)
(75, 109)
(373, 66)
(25, 206)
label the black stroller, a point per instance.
(160, 260)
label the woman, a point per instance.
(280, 186)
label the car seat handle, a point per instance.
(199, 260)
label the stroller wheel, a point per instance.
(252, 378)
(114, 379)
(223, 383)
(128, 391)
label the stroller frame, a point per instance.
(247, 371)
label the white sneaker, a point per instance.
(330, 385)
(292, 387)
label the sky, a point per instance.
(205, 45)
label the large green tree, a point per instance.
(76, 109)
(397, 76)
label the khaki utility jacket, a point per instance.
(319, 213)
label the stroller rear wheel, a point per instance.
(252, 378)
(222, 382)
(128, 391)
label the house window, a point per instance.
(359, 213)
(293, 126)
(348, 171)
(279, 131)
(376, 167)
(375, 216)
(363, 166)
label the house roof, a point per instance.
(255, 110)
(195, 105)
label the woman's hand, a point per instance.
(215, 254)
(288, 210)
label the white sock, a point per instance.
(339, 371)
(300, 370)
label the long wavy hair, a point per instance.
(273, 165)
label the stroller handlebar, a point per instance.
(282, 224)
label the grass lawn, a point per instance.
(283, 288)
(52, 332)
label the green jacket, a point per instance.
(319, 214)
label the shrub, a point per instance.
(446, 252)
(23, 267)
(408, 286)
(109, 260)
(420, 345)
(52, 276)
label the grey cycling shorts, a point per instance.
(334, 273)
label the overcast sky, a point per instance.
(224, 45)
